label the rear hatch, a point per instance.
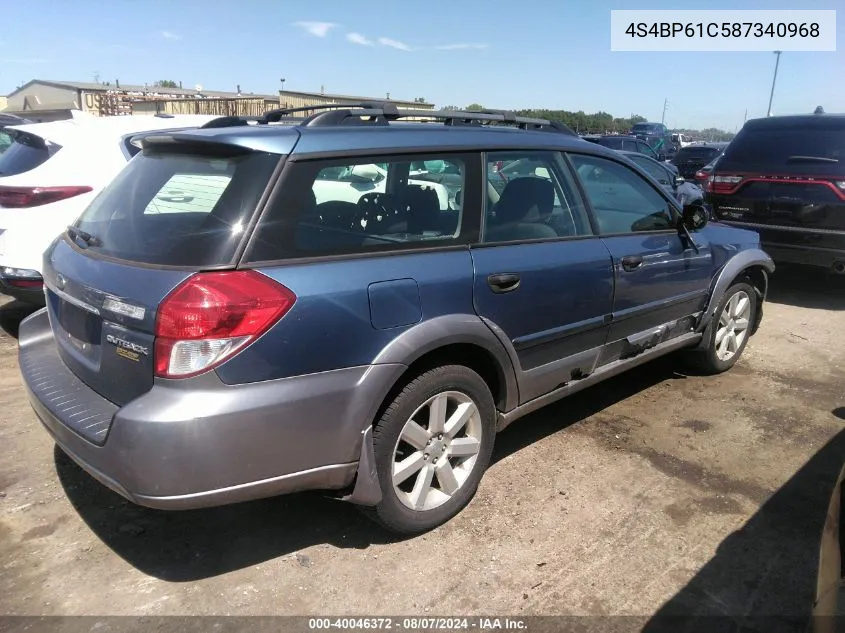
(790, 176)
(176, 209)
(689, 160)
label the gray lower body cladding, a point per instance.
(199, 442)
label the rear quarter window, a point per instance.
(368, 205)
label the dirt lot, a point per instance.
(656, 492)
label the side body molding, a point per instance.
(453, 329)
(753, 257)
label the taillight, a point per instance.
(724, 184)
(24, 197)
(211, 316)
(701, 175)
(22, 277)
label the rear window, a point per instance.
(172, 209)
(24, 152)
(788, 146)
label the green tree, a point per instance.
(475, 106)
(166, 83)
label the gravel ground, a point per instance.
(655, 493)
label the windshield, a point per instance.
(24, 152)
(177, 209)
(644, 127)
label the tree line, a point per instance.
(601, 122)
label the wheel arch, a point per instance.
(753, 265)
(454, 339)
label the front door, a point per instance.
(661, 277)
(542, 282)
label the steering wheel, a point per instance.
(373, 206)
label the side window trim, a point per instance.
(672, 203)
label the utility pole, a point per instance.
(745, 118)
(665, 105)
(774, 79)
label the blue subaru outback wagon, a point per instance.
(355, 302)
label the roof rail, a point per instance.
(383, 112)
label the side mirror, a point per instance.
(679, 180)
(694, 217)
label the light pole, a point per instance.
(774, 79)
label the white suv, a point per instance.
(49, 175)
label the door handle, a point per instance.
(503, 282)
(632, 262)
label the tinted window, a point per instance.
(644, 128)
(643, 148)
(337, 207)
(178, 209)
(653, 169)
(5, 141)
(621, 200)
(701, 154)
(528, 199)
(613, 143)
(777, 146)
(25, 152)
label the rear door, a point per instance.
(543, 281)
(659, 276)
(164, 217)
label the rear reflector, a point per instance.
(211, 316)
(25, 197)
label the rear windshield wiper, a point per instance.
(811, 159)
(86, 238)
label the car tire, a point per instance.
(734, 320)
(432, 445)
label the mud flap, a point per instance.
(366, 491)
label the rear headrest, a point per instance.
(424, 207)
(521, 195)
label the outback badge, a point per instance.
(127, 349)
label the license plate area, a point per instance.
(83, 328)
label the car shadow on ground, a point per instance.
(12, 313)
(806, 287)
(191, 545)
(763, 576)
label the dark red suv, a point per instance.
(785, 177)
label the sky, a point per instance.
(501, 53)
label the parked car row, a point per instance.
(349, 302)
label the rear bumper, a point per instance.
(806, 255)
(198, 442)
(793, 245)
